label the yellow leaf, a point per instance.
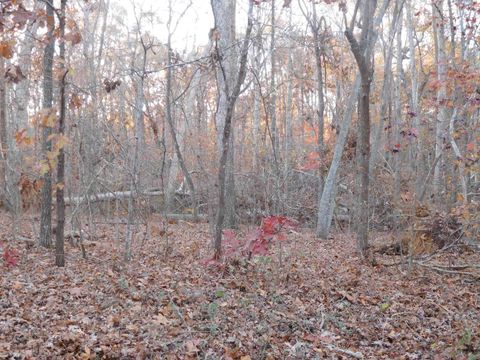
(44, 167)
(61, 141)
(49, 119)
(52, 155)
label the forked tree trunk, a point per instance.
(327, 201)
(364, 57)
(231, 94)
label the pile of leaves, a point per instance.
(320, 301)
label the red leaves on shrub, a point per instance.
(10, 257)
(256, 242)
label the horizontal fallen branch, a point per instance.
(189, 217)
(116, 195)
(447, 270)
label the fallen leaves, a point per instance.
(160, 319)
(323, 302)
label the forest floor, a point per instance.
(321, 302)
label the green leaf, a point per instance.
(384, 306)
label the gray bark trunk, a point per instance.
(224, 13)
(441, 97)
(45, 238)
(327, 200)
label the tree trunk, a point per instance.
(45, 238)
(364, 57)
(439, 33)
(386, 96)
(315, 25)
(231, 94)
(224, 14)
(3, 134)
(327, 200)
(414, 108)
(171, 124)
(325, 208)
(59, 241)
(272, 111)
(397, 121)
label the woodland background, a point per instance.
(331, 128)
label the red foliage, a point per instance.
(10, 257)
(257, 242)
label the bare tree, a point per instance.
(364, 57)
(3, 133)
(60, 230)
(231, 95)
(327, 200)
(45, 238)
(441, 123)
(169, 103)
(224, 34)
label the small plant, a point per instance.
(257, 242)
(465, 343)
(212, 310)
(219, 293)
(9, 256)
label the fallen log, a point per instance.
(115, 195)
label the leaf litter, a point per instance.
(316, 300)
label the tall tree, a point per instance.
(224, 32)
(364, 58)
(327, 200)
(169, 102)
(45, 238)
(441, 59)
(59, 234)
(3, 133)
(229, 92)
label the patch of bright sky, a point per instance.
(193, 26)
(195, 23)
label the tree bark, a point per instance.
(364, 57)
(231, 97)
(3, 134)
(59, 241)
(171, 124)
(224, 14)
(45, 238)
(327, 200)
(439, 33)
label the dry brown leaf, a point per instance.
(161, 319)
(76, 291)
(191, 347)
